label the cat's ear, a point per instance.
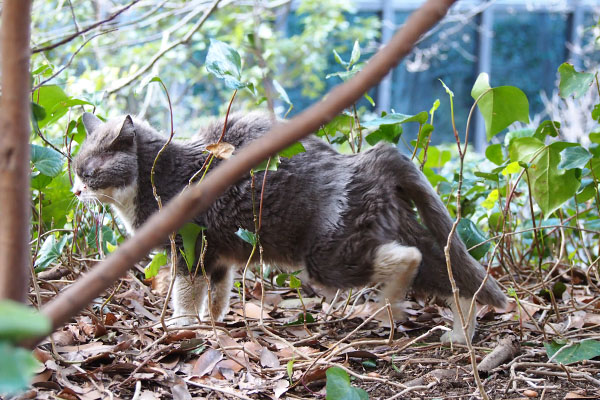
(90, 122)
(126, 135)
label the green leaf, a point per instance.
(291, 151)
(595, 137)
(471, 236)
(247, 236)
(393, 118)
(18, 322)
(511, 168)
(290, 369)
(551, 186)
(494, 153)
(518, 133)
(389, 133)
(158, 261)
(338, 386)
(281, 278)
(355, 54)
(547, 128)
(436, 158)
(450, 92)
(49, 252)
(338, 58)
(38, 112)
(273, 164)
(573, 82)
(369, 363)
(300, 320)
(295, 283)
(584, 350)
(46, 160)
(17, 368)
(369, 99)
(52, 98)
(596, 112)
(434, 107)
(189, 235)
(225, 63)
(282, 93)
(574, 157)
(499, 106)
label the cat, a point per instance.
(348, 220)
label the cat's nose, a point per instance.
(77, 193)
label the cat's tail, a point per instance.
(468, 273)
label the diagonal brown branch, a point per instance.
(199, 198)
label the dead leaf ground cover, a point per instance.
(118, 349)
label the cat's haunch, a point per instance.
(348, 220)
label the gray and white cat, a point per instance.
(348, 220)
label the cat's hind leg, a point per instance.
(457, 334)
(221, 281)
(395, 265)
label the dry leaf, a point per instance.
(268, 359)
(221, 150)
(207, 361)
(280, 387)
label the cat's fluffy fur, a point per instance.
(347, 219)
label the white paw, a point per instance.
(179, 321)
(456, 337)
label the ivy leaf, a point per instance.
(247, 236)
(499, 106)
(573, 82)
(596, 112)
(584, 350)
(338, 59)
(52, 99)
(494, 153)
(291, 151)
(189, 235)
(158, 261)
(471, 236)
(225, 63)
(550, 185)
(389, 133)
(17, 368)
(18, 322)
(295, 283)
(574, 157)
(46, 160)
(547, 128)
(338, 386)
(49, 252)
(273, 164)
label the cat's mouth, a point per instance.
(87, 195)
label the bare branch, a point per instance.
(84, 30)
(127, 81)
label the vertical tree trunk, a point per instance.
(14, 150)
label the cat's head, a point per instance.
(106, 165)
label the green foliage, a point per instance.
(574, 352)
(17, 367)
(472, 236)
(551, 186)
(189, 235)
(19, 322)
(573, 83)
(247, 236)
(225, 63)
(50, 252)
(158, 261)
(338, 386)
(499, 106)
